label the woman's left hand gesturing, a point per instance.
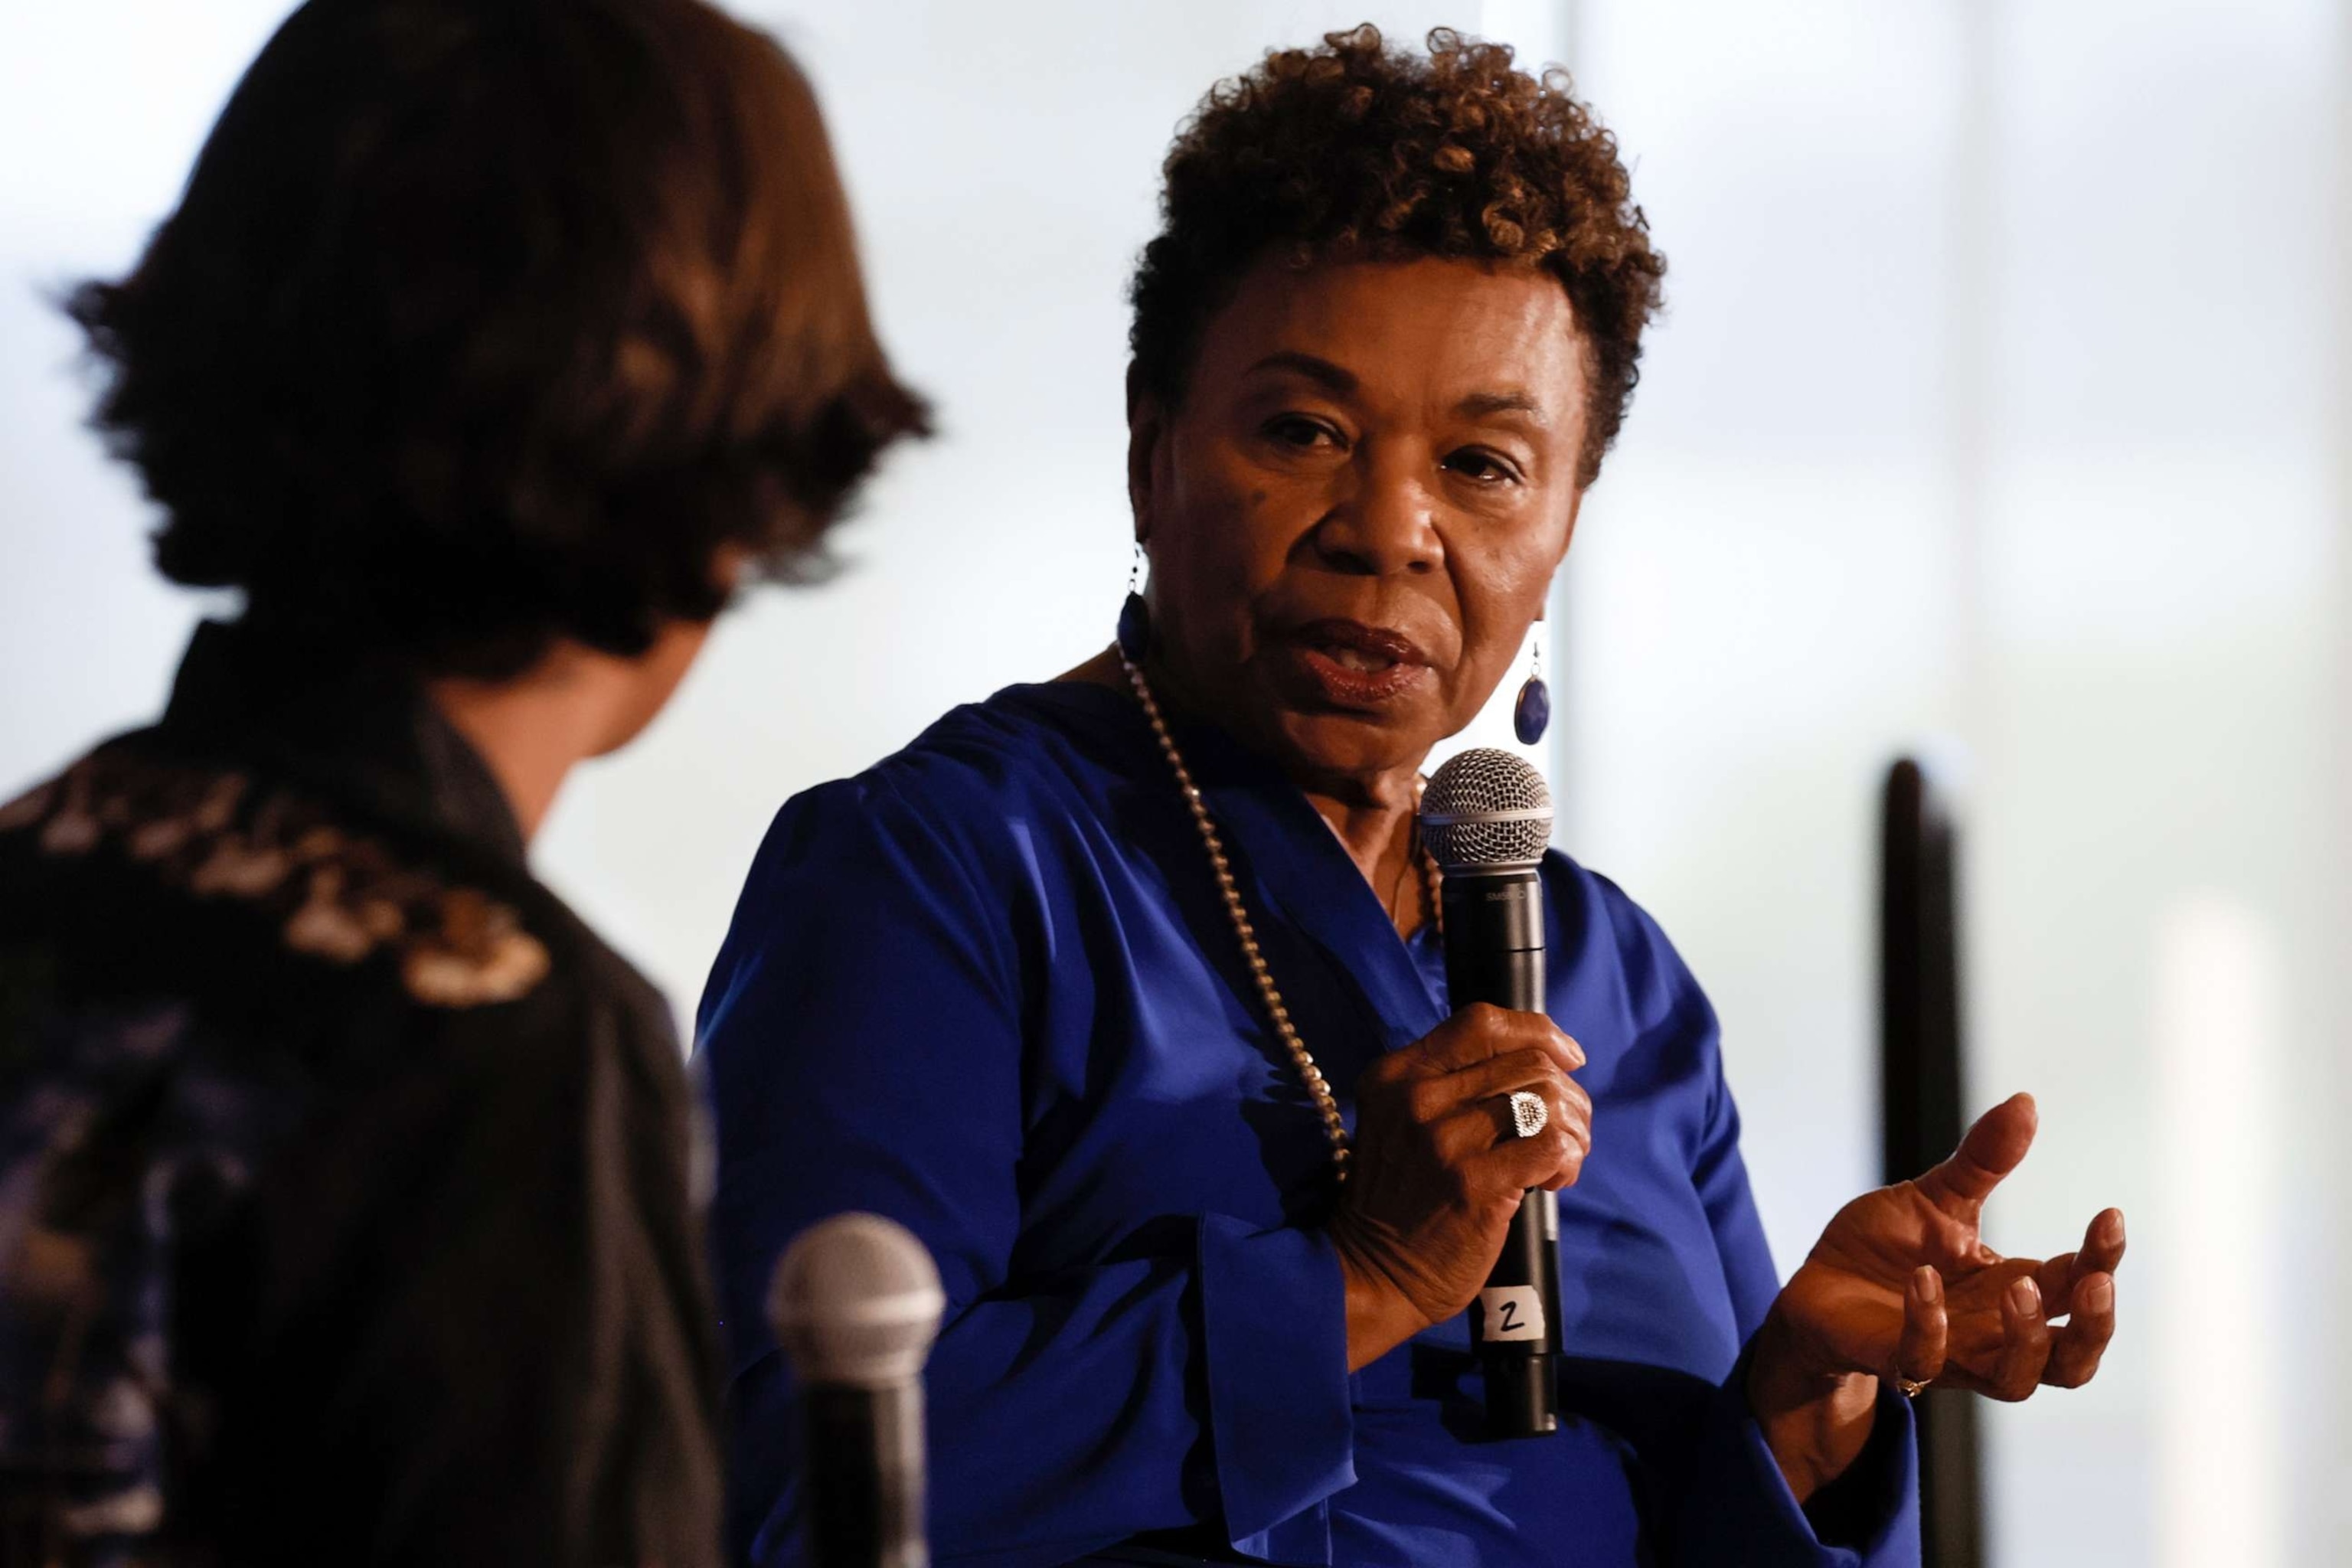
(1901, 1284)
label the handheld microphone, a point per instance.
(1486, 817)
(855, 1304)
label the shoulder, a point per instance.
(977, 796)
(243, 1038)
(1025, 750)
(146, 873)
(1610, 928)
(958, 846)
(218, 971)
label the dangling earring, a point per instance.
(1531, 714)
(1135, 615)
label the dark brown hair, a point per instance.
(1357, 150)
(483, 323)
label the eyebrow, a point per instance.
(1342, 383)
(1322, 371)
(1484, 405)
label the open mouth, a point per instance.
(1348, 658)
(1352, 664)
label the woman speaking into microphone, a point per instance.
(1125, 991)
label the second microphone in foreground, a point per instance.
(855, 1304)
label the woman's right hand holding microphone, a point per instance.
(1438, 1171)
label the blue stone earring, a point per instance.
(1135, 615)
(1531, 714)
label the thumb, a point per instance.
(1991, 1149)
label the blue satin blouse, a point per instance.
(988, 988)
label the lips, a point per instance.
(1350, 665)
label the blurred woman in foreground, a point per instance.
(345, 1207)
(1124, 992)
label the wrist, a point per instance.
(1815, 1419)
(1381, 1316)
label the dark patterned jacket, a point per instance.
(345, 1208)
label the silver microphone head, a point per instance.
(1485, 810)
(856, 1301)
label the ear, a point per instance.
(1146, 425)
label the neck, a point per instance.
(1374, 820)
(531, 731)
(1372, 816)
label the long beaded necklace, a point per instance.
(1334, 1126)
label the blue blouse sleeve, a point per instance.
(1732, 1507)
(864, 1042)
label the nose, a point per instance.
(1386, 522)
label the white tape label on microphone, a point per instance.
(1512, 1312)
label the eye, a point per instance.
(1484, 467)
(1301, 431)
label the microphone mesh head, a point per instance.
(856, 1301)
(1485, 810)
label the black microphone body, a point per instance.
(862, 1450)
(1495, 954)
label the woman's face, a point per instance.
(1356, 513)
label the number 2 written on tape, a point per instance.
(1510, 1312)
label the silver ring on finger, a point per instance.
(1910, 1388)
(1529, 1113)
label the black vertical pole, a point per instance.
(1921, 1100)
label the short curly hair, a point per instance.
(1359, 151)
(483, 325)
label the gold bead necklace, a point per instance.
(1334, 1126)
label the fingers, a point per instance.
(2025, 1341)
(1567, 1109)
(1481, 1031)
(1572, 1113)
(1553, 1158)
(1433, 1098)
(1493, 1166)
(2103, 1253)
(2103, 1245)
(1497, 1054)
(1469, 1107)
(2003, 1341)
(2055, 1276)
(1919, 1354)
(1548, 1160)
(1990, 1151)
(2075, 1350)
(1433, 1120)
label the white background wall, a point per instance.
(2003, 399)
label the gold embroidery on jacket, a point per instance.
(344, 898)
